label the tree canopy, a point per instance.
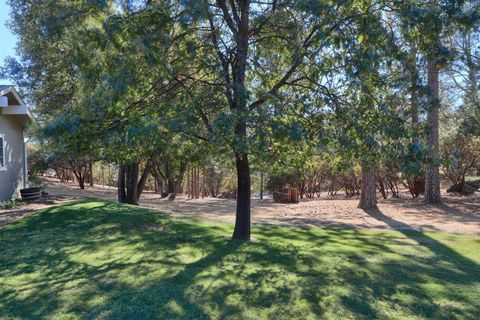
(153, 85)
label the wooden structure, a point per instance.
(287, 195)
(31, 194)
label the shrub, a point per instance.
(461, 155)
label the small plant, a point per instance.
(11, 204)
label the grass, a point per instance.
(10, 204)
(100, 260)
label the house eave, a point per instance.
(20, 109)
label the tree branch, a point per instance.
(227, 17)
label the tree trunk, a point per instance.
(188, 185)
(368, 195)
(178, 182)
(143, 179)
(382, 189)
(90, 174)
(197, 185)
(239, 105)
(462, 184)
(432, 177)
(170, 185)
(414, 95)
(122, 196)
(132, 183)
(77, 171)
(194, 183)
(158, 179)
(103, 175)
(261, 185)
(81, 183)
(242, 219)
(472, 93)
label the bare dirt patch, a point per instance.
(26, 209)
(456, 214)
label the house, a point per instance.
(14, 116)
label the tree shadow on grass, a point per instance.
(167, 298)
(441, 269)
(438, 248)
(96, 260)
(66, 251)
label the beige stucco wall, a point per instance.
(12, 179)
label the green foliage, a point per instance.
(11, 204)
(413, 160)
(37, 162)
(278, 182)
(461, 157)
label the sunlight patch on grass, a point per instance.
(94, 260)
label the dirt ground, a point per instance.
(456, 214)
(10, 215)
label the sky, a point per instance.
(7, 39)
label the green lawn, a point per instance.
(100, 260)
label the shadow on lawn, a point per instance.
(44, 244)
(95, 261)
(444, 266)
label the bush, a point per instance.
(413, 169)
(37, 162)
(461, 156)
(284, 180)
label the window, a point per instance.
(3, 164)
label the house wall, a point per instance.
(12, 179)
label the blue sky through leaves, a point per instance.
(7, 39)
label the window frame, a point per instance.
(3, 144)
